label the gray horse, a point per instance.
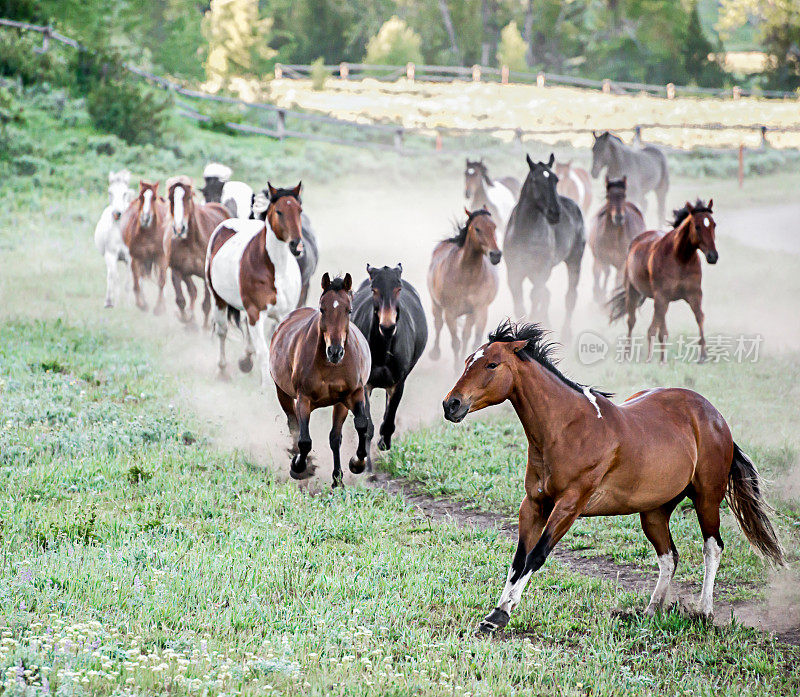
(645, 168)
(544, 230)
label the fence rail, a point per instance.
(279, 122)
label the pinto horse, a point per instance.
(321, 359)
(186, 243)
(498, 196)
(463, 280)
(574, 183)
(250, 268)
(143, 233)
(666, 267)
(388, 311)
(613, 228)
(590, 457)
(236, 196)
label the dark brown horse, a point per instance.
(143, 233)
(666, 267)
(463, 280)
(321, 359)
(613, 228)
(186, 243)
(590, 457)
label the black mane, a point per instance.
(337, 283)
(538, 349)
(681, 214)
(461, 232)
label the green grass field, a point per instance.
(138, 555)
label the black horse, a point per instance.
(389, 313)
(544, 230)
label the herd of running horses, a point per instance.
(256, 252)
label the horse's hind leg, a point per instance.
(221, 330)
(394, 395)
(206, 304)
(696, 303)
(656, 528)
(287, 404)
(573, 262)
(452, 325)
(136, 272)
(162, 281)
(191, 289)
(706, 504)
(655, 329)
(180, 301)
(112, 278)
(466, 331)
(480, 324)
(335, 440)
(246, 361)
(438, 323)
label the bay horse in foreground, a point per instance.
(498, 196)
(250, 268)
(319, 358)
(388, 312)
(186, 242)
(665, 266)
(545, 230)
(575, 183)
(645, 167)
(108, 233)
(143, 226)
(590, 457)
(613, 228)
(463, 280)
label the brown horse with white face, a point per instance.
(590, 457)
(667, 267)
(463, 280)
(186, 242)
(319, 358)
(143, 233)
(613, 229)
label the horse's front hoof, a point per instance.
(357, 466)
(385, 443)
(142, 306)
(108, 304)
(223, 375)
(496, 619)
(246, 364)
(337, 482)
(301, 470)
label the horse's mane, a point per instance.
(616, 184)
(681, 214)
(538, 348)
(461, 232)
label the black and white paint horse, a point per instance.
(236, 196)
(545, 230)
(308, 257)
(108, 233)
(388, 311)
(645, 168)
(498, 196)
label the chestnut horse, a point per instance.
(574, 183)
(590, 457)
(186, 242)
(463, 280)
(613, 228)
(143, 233)
(321, 359)
(666, 267)
(250, 268)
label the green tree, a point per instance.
(512, 48)
(395, 44)
(697, 48)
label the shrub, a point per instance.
(512, 48)
(394, 44)
(134, 112)
(19, 59)
(319, 75)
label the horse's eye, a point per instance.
(492, 366)
(280, 214)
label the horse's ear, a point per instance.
(517, 346)
(296, 190)
(399, 267)
(689, 207)
(551, 160)
(347, 283)
(594, 135)
(155, 186)
(370, 269)
(271, 190)
(710, 204)
(529, 160)
(467, 211)
(326, 281)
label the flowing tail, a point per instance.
(618, 305)
(747, 503)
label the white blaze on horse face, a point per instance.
(590, 396)
(546, 174)
(335, 304)
(118, 196)
(148, 199)
(706, 223)
(475, 356)
(177, 218)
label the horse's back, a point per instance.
(237, 198)
(226, 247)
(512, 184)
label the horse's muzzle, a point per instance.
(494, 256)
(618, 219)
(455, 409)
(296, 247)
(116, 215)
(553, 217)
(387, 330)
(712, 257)
(334, 354)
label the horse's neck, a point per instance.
(481, 196)
(683, 248)
(470, 256)
(619, 159)
(278, 251)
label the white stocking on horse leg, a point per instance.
(263, 330)
(712, 553)
(221, 330)
(112, 278)
(666, 567)
(512, 592)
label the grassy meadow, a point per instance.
(139, 555)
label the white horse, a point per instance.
(108, 233)
(236, 196)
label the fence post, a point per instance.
(637, 135)
(410, 71)
(741, 165)
(737, 91)
(45, 40)
(398, 139)
(518, 136)
(606, 86)
(281, 124)
(670, 90)
(438, 141)
(344, 71)
(764, 143)
(476, 73)
(540, 80)
(278, 71)
(504, 75)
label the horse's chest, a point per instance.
(288, 281)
